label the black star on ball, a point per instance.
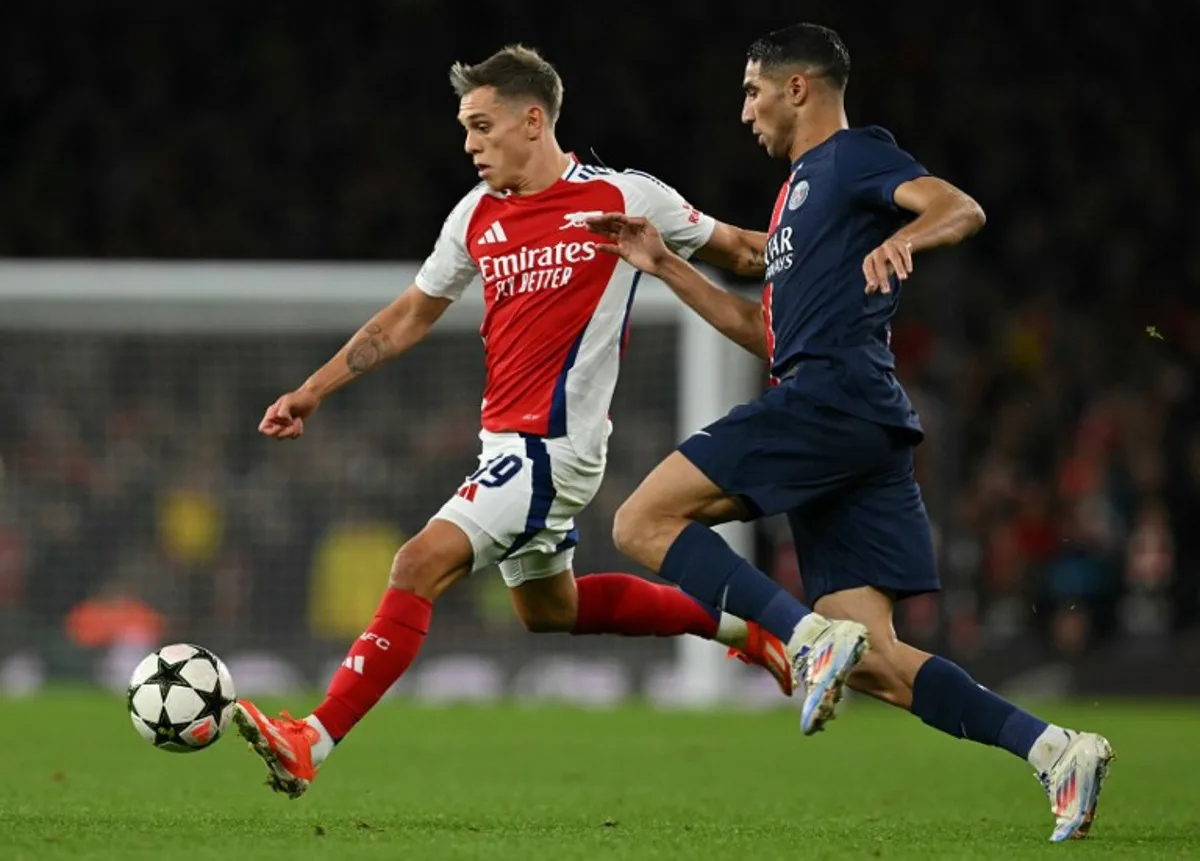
(214, 701)
(166, 676)
(165, 733)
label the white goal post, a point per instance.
(142, 297)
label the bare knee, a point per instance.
(672, 495)
(630, 528)
(644, 533)
(432, 561)
(412, 572)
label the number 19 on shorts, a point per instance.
(496, 472)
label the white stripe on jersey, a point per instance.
(592, 380)
(493, 234)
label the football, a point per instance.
(181, 698)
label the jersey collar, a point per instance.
(572, 163)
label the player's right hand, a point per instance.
(635, 239)
(284, 419)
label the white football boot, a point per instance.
(822, 665)
(1074, 782)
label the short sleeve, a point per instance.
(684, 228)
(870, 166)
(449, 268)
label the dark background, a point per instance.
(1054, 357)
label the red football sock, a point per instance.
(628, 605)
(376, 660)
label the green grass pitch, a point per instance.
(554, 783)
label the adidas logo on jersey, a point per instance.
(493, 234)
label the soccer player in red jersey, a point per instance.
(557, 313)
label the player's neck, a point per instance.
(544, 170)
(813, 134)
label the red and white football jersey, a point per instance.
(557, 309)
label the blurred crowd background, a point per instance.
(1054, 357)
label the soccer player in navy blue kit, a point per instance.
(831, 443)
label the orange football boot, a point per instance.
(765, 650)
(285, 745)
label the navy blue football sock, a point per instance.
(946, 698)
(710, 571)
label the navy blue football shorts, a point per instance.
(846, 485)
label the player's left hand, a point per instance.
(894, 255)
(633, 238)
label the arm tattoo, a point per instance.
(369, 350)
(757, 258)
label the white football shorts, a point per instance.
(518, 508)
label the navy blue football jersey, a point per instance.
(824, 334)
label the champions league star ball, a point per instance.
(181, 698)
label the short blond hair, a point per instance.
(514, 71)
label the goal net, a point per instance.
(138, 504)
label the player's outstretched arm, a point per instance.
(946, 215)
(735, 317)
(639, 243)
(392, 331)
(736, 249)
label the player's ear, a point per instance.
(535, 121)
(797, 89)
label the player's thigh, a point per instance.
(518, 509)
(727, 509)
(489, 505)
(874, 533)
(780, 452)
(675, 492)
(677, 488)
(563, 485)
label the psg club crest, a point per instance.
(799, 195)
